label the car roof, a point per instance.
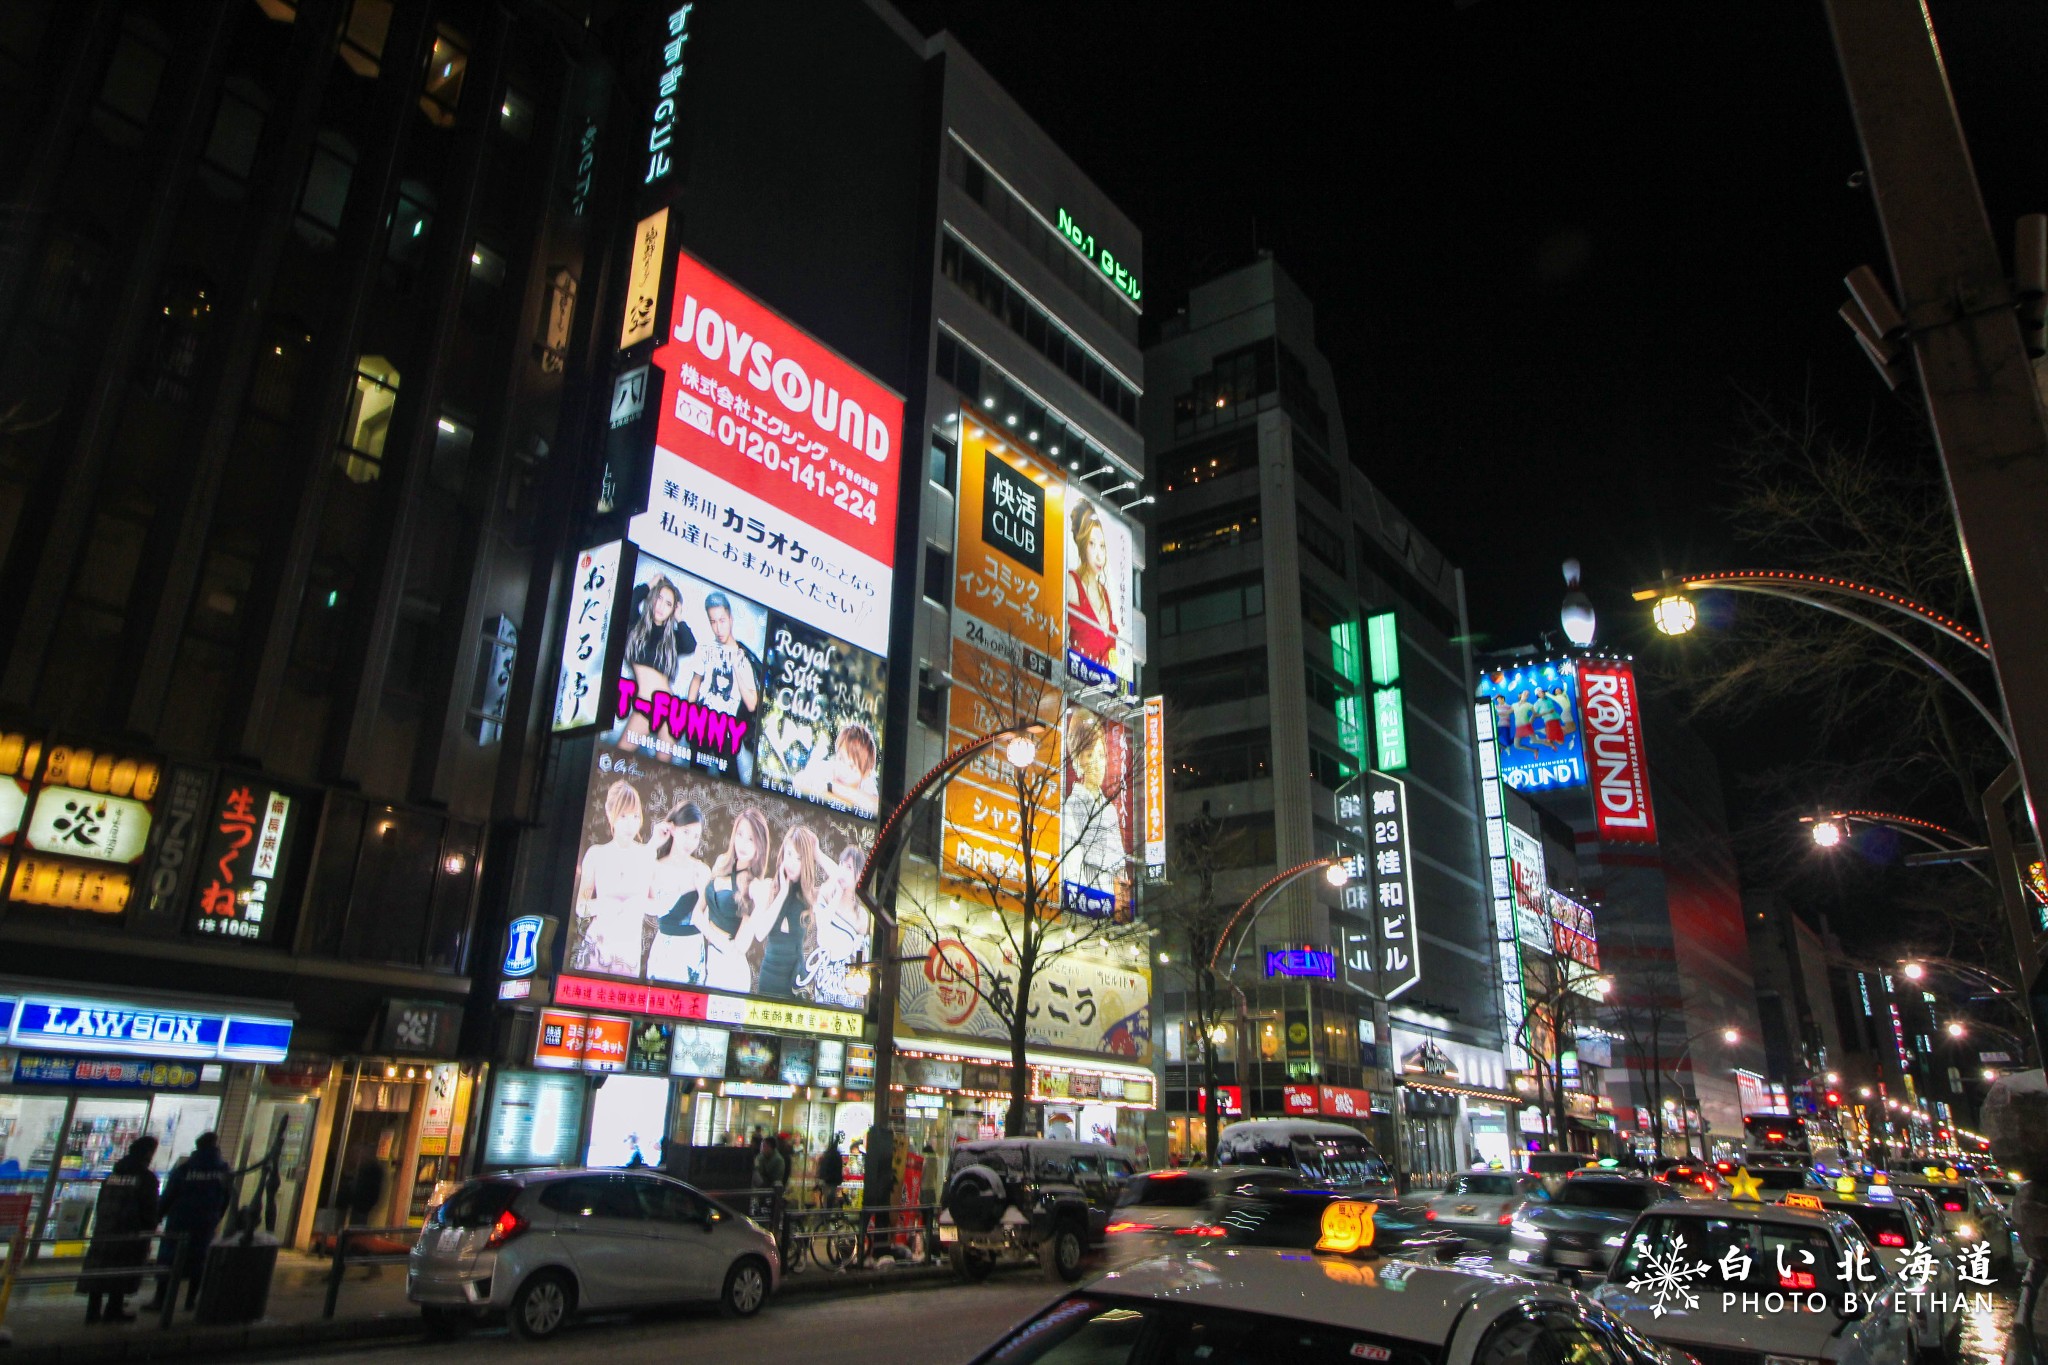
(1607, 1175)
(1397, 1298)
(545, 1174)
(1756, 1213)
(1067, 1145)
(1307, 1127)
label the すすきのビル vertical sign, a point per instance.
(776, 464)
(1618, 769)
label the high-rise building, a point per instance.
(1310, 643)
(477, 514)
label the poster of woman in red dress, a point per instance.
(1098, 592)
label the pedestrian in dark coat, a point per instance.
(122, 1218)
(195, 1197)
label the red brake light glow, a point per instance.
(1798, 1279)
(507, 1226)
(1429, 1215)
(1891, 1239)
(1201, 1230)
(1506, 1219)
(1129, 1227)
(1951, 1206)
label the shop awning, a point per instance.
(977, 1052)
(1473, 1092)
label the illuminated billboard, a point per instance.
(1621, 770)
(1534, 710)
(79, 821)
(1525, 868)
(775, 466)
(1098, 595)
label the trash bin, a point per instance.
(236, 1287)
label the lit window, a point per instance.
(362, 40)
(515, 115)
(445, 70)
(486, 267)
(410, 220)
(361, 456)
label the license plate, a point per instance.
(948, 1233)
(1575, 1258)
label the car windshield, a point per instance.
(1164, 1191)
(2004, 1189)
(1481, 1184)
(1340, 1160)
(1885, 1227)
(1739, 1253)
(1091, 1328)
(477, 1204)
(1606, 1194)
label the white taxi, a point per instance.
(1919, 1256)
(1759, 1284)
(1307, 1308)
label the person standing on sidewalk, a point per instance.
(831, 1172)
(122, 1218)
(195, 1197)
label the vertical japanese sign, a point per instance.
(1393, 884)
(643, 279)
(661, 129)
(1155, 788)
(585, 633)
(1619, 771)
(174, 845)
(1526, 870)
(1571, 926)
(1360, 967)
(247, 844)
(1389, 717)
(1508, 954)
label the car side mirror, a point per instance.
(709, 1219)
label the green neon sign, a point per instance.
(1389, 730)
(1113, 270)
(1383, 642)
(1344, 656)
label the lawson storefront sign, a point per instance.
(77, 1024)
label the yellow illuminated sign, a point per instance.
(1743, 1185)
(1347, 1226)
(1846, 1184)
(643, 279)
(751, 1013)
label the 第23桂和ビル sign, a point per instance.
(776, 463)
(64, 1024)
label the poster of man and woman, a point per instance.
(714, 681)
(691, 881)
(1535, 714)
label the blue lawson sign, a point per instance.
(68, 1024)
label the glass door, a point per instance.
(96, 1136)
(30, 1130)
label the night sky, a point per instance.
(1551, 246)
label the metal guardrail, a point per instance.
(20, 1271)
(343, 1258)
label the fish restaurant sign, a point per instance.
(65, 1024)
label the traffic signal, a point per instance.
(1834, 1097)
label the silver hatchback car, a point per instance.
(539, 1245)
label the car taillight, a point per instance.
(507, 1226)
(1429, 1215)
(1951, 1206)
(1506, 1219)
(1798, 1279)
(1129, 1227)
(1891, 1239)
(1201, 1230)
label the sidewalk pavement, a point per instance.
(48, 1321)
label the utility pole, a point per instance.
(1982, 397)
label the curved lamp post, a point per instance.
(1337, 872)
(1673, 613)
(1831, 829)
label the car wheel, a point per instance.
(746, 1289)
(1059, 1255)
(542, 1305)
(970, 1265)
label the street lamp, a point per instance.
(1826, 833)
(1674, 614)
(1335, 873)
(1956, 1029)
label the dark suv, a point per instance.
(1029, 1196)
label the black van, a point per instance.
(1328, 1155)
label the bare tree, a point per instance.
(1555, 1006)
(1646, 1002)
(1039, 838)
(1190, 920)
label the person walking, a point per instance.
(365, 1192)
(123, 1216)
(831, 1172)
(195, 1197)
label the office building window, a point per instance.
(1245, 841)
(943, 454)
(1319, 538)
(515, 116)
(135, 76)
(453, 440)
(1219, 679)
(237, 128)
(1000, 401)
(445, 70)
(361, 456)
(486, 267)
(987, 286)
(1328, 770)
(1313, 469)
(1220, 760)
(411, 219)
(1324, 688)
(328, 173)
(181, 330)
(1214, 605)
(1211, 460)
(938, 575)
(931, 699)
(1216, 529)
(362, 38)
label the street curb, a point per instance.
(185, 1343)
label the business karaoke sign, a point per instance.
(1618, 770)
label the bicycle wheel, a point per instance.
(838, 1241)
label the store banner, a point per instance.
(1618, 767)
(1155, 788)
(1527, 872)
(586, 635)
(1093, 999)
(97, 1073)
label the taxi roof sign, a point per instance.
(1347, 1226)
(1800, 1199)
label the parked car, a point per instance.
(1326, 1154)
(1580, 1230)
(1481, 1204)
(1275, 1305)
(1896, 1227)
(1551, 1168)
(1751, 1252)
(540, 1245)
(1037, 1197)
(1968, 1215)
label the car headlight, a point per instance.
(1522, 1227)
(1618, 1239)
(1965, 1231)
